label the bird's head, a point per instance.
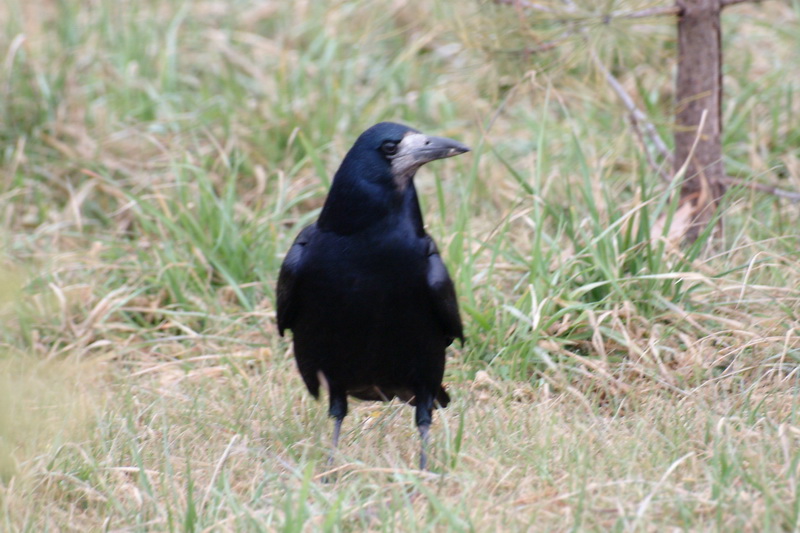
(390, 154)
(375, 176)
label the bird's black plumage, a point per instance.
(368, 299)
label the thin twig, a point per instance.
(526, 4)
(650, 161)
(572, 9)
(646, 13)
(638, 118)
(769, 189)
(726, 3)
(530, 50)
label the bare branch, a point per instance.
(646, 13)
(637, 115)
(572, 9)
(546, 46)
(650, 161)
(769, 189)
(726, 3)
(526, 4)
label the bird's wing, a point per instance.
(443, 294)
(289, 277)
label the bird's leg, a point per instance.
(337, 428)
(423, 456)
(424, 415)
(337, 411)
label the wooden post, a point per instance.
(699, 89)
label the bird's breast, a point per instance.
(366, 299)
(366, 270)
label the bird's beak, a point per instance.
(416, 149)
(437, 148)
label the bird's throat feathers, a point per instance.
(356, 204)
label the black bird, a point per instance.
(368, 299)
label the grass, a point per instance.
(159, 157)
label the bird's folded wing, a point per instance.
(289, 277)
(443, 295)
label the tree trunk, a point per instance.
(698, 90)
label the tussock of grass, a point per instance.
(157, 159)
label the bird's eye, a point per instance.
(389, 148)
